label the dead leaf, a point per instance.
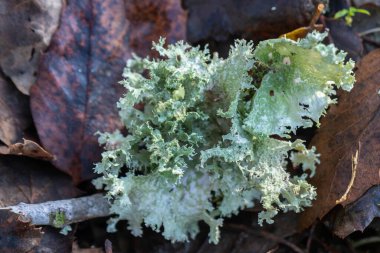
(359, 214)
(32, 181)
(345, 38)
(367, 26)
(353, 125)
(53, 241)
(77, 87)
(76, 90)
(26, 27)
(77, 249)
(152, 19)
(17, 234)
(219, 20)
(14, 112)
(28, 148)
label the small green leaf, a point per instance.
(363, 11)
(341, 13)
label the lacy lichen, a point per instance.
(213, 135)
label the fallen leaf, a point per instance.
(32, 181)
(53, 241)
(17, 234)
(77, 249)
(76, 90)
(28, 148)
(14, 112)
(345, 38)
(77, 87)
(352, 126)
(26, 27)
(152, 19)
(219, 20)
(359, 214)
(367, 26)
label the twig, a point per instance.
(310, 239)
(353, 177)
(71, 210)
(371, 41)
(267, 235)
(369, 31)
(365, 241)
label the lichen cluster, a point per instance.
(211, 136)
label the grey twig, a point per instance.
(70, 210)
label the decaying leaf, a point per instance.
(151, 19)
(26, 27)
(32, 181)
(367, 26)
(77, 88)
(77, 249)
(14, 112)
(53, 241)
(301, 32)
(359, 214)
(218, 20)
(27, 148)
(17, 234)
(352, 126)
(345, 38)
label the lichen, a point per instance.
(213, 135)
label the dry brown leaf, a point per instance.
(14, 112)
(77, 249)
(151, 19)
(345, 38)
(77, 86)
(28, 148)
(219, 20)
(32, 181)
(357, 215)
(17, 234)
(349, 127)
(367, 26)
(26, 27)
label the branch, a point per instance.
(72, 210)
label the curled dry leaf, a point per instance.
(17, 234)
(14, 112)
(359, 214)
(77, 87)
(349, 144)
(218, 20)
(28, 148)
(26, 27)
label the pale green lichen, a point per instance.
(204, 146)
